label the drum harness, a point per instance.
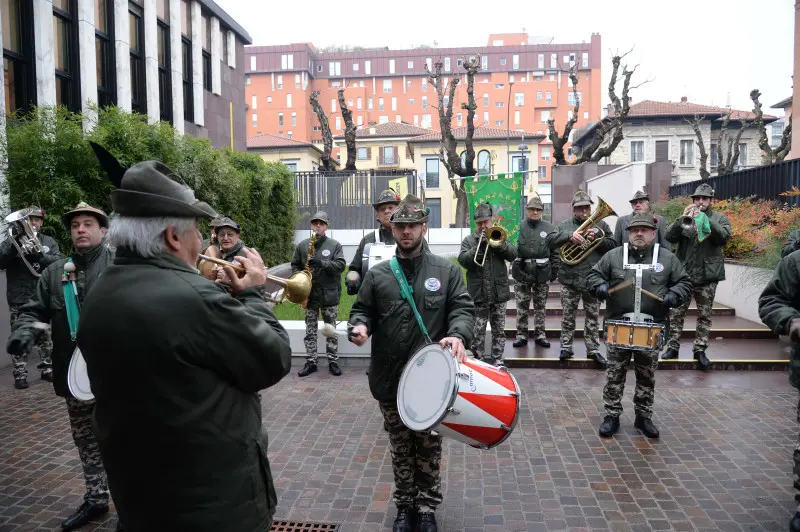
(636, 316)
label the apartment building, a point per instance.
(520, 86)
(181, 61)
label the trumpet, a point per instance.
(687, 221)
(296, 288)
(573, 254)
(496, 237)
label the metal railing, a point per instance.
(766, 182)
(346, 196)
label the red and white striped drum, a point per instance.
(473, 402)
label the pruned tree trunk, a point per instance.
(704, 173)
(609, 133)
(727, 147)
(448, 147)
(327, 138)
(559, 141)
(349, 132)
(770, 155)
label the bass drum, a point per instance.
(78, 377)
(375, 253)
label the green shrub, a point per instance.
(51, 164)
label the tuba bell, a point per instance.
(573, 254)
(495, 236)
(24, 238)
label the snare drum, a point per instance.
(472, 402)
(644, 336)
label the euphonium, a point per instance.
(24, 238)
(575, 253)
(495, 238)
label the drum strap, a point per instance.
(408, 294)
(71, 301)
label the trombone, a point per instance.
(496, 238)
(296, 288)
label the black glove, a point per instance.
(19, 343)
(315, 262)
(352, 288)
(670, 300)
(601, 292)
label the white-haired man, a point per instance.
(176, 363)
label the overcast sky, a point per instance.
(707, 50)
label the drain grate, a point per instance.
(303, 526)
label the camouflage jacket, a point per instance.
(357, 263)
(20, 282)
(779, 304)
(487, 284)
(176, 364)
(670, 278)
(441, 299)
(575, 275)
(326, 281)
(704, 261)
(47, 306)
(532, 246)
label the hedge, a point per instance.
(51, 164)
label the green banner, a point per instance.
(504, 194)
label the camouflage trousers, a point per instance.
(644, 364)
(796, 457)
(329, 315)
(495, 315)
(415, 463)
(94, 474)
(44, 344)
(522, 293)
(704, 295)
(570, 297)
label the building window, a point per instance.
(355, 67)
(484, 62)
(548, 98)
(424, 102)
(387, 85)
(553, 60)
(280, 82)
(459, 119)
(104, 51)
(19, 81)
(484, 163)
(367, 67)
(585, 60)
(380, 104)
(225, 46)
(394, 104)
(713, 156)
(499, 104)
(545, 153)
(383, 119)
(65, 42)
(687, 153)
(255, 121)
(542, 172)
(519, 99)
(411, 65)
(387, 155)
(205, 38)
(369, 104)
(269, 99)
(186, 59)
(515, 61)
(297, 81)
(362, 154)
(637, 151)
(294, 119)
(334, 68)
(287, 61)
(486, 100)
(540, 61)
(516, 118)
(447, 64)
(338, 123)
(288, 101)
(545, 116)
(741, 162)
(431, 173)
(252, 57)
(424, 84)
(486, 118)
(502, 61)
(391, 66)
(138, 97)
(280, 119)
(164, 70)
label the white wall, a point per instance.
(617, 187)
(741, 288)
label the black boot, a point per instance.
(427, 522)
(609, 426)
(645, 424)
(21, 383)
(542, 342)
(702, 360)
(794, 524)
(406, 520)
(519, 342)
(670, 354)
(308, 369)
(333, 367)
(565, 355)
(599, 358)
(83, 515)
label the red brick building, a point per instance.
(520, 85)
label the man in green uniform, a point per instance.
(381, 312)
(700, 250)
(664, 277)
(327, 265)
(536, 265)
(573, 277)
(87, 262)
(487, 284)
(640, 203)
(384, 209)
(779, 309)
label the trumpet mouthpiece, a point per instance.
(328, 330)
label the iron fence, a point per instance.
(347, 196)
(766, 182)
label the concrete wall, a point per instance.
(617, 187)
(741, 289)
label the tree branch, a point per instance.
(327, 138)
(704, 174)
(557, 140)
(770, 155)
(349, 132)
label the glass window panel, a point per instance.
(10, 9)
(134, 32)
(62, 91)
(100, 59)
(205, 33)
(61, 30)
(8, 82)
(163, 10)
(63, 5)
(100, 16)
(163, 39)
(186, 19)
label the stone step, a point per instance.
(553, 308)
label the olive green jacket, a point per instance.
(575, 275)
(441, 299)
(326, 281)
(487, 284)
(703, 261)
(533, 245)
(779, 304)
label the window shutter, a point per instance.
(369, 153)
(396, 155)
(408, 152)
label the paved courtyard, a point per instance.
(723, 461)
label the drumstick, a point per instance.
(620, 286)
(651, 294)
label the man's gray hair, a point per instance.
(145, 236)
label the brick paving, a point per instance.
(723, 461)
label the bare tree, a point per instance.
(770, 155)
(559, 141)
(608, 134)
(327, 138)
(448, 147)
(727, 147)
(349, 132)
(704, 174)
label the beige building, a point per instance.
(382, 146)
(297, 155)
(496, 151)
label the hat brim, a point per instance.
(639, 198)
(483, 218)
(234, 227)
(582, 204)
(641, 224)
(144, 204)
(66, 219)
(407, 220)
(387, 202)
(319, 220)
(700, 196)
